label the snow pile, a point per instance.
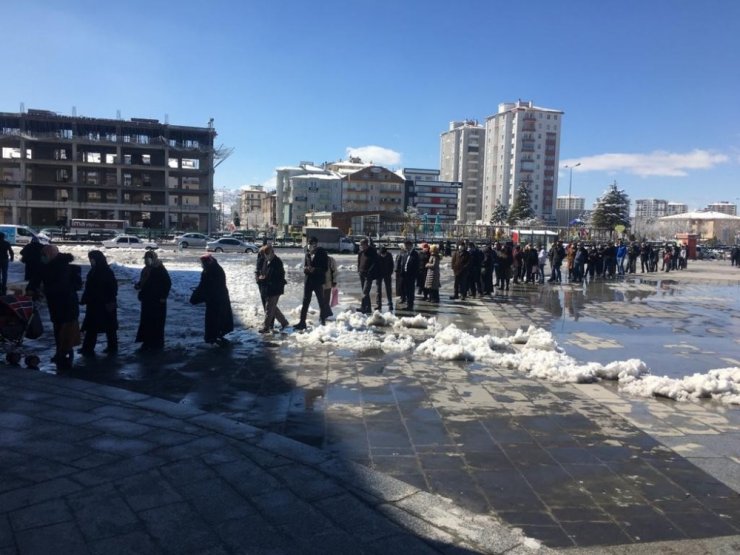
(722, 384)
(417, 322)
(454, 344)
(350, 331)
(347, 267)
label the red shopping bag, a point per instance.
(334, 297)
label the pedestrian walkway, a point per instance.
(86, 468)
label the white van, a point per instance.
(21, 235)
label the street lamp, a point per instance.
(570, 188)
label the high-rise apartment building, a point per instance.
(462, 160)
(568, 208)
(673, 208)
(724, 207)
(54, 168)
(250, 207)
(522, 147)
(650, 208)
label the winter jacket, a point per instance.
(385, 265)
(367, 262)
(61, 280)
(213, 292)
(99, 297)
(315, 266)
(432, 277)
(274, 282)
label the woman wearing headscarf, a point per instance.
(213, 292)
(99, 297)
(154, 286)
(431, 283)
(61, 280)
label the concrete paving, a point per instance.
(87, 468)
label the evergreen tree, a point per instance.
(612, 209)
(500, 214)
(522, 207)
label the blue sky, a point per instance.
(649, 88)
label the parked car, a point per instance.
(230, 244)
(52, 233)
(101, 234)
(191, 240)
(129, 242)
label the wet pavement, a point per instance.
(572, 465)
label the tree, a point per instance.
(237, 220)
(412, 220)
(522, 208)
(612, 209)
(500, 214)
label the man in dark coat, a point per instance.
(272, 282)
(385, 275)
(212, 290)
(461, 269)
(400, 262)
(410, 273)
(367, 260)
(315, 266)
(154, 288)
(100, 299)
(61, 280)
(31, 258)
(6, 256)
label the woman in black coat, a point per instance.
(212, 290)
(61, 280)
(154, 287)
(99, 296)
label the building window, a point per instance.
(111, 158)
(146, 159)
(127, 159)
(173, 163)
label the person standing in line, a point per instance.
(460, 268)
(31, 258)
(259, 270)
(432, 283)
(541, 262)
(621, 253)
(367, 269)
(6, 256)
(60, 281)
(385, 275)
(557, 253)
(489, 261)
(315, 266)
(422, 275)
(154, 287)
(100, 299)
(330, 281)
(400, 262)
(475, 286)
(212, 291)
(506, 259)
(410, 273)
(273, 282)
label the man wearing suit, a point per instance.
(410, 271)
(315, 266)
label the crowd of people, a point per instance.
(477, 272)
(52, 274)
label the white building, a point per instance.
(435, 200)
(724, 207)
(305, 188)
(650, 208)
(676, 208)
(461, 159)
(251, 213)
(522, 147)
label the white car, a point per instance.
(191, 240)
(229, 244)
(129, 242)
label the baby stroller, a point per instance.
(18, 319)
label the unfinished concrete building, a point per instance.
(54, 168)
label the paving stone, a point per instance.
(119, 427)
(352, 516)
(43, 514)
(117, 470)
(178, 529)
(216, 501)
(6, 532)
(132, 543)
(187, 471)
(120, 446)
(48, 539)
(147, 490)
(37, 493)
(101, 512)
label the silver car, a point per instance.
(229, 244)
(129, 242)
(191, 240)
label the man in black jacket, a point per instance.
(410, 271)
(367, 260)
(385, 273)
(315, 266)
(6, 256)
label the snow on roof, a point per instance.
(332, 176)
(288, 168)
(701, 216)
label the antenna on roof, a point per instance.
(23, 108)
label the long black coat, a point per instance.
(212, 291)
(99, 297)
(154, 287)
(61, 281)
(31, 258)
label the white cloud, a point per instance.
(375, 154)
(659, 162)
